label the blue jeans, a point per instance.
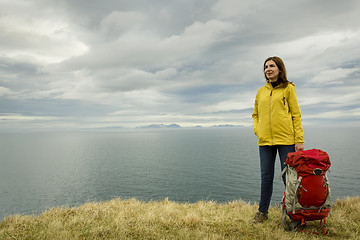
(267, 167)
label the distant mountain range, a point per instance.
(227, 125)
(174, 125)
(161, 126)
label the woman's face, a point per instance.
(271, 71)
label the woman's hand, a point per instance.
(299, 147)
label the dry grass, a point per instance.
(133, 219)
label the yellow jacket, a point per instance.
(277, 116)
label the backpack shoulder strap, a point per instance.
(298, 182)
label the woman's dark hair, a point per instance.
(280, 64)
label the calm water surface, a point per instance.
(42, 170)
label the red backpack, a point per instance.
(307, 190)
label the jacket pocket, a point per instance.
(255, 131)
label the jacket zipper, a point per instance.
(271, 133)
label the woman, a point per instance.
(277, 124)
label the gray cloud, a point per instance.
(126, 63)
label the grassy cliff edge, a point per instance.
(133, 219)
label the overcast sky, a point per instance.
(68, 64)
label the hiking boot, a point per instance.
(259, 218)
(294, 225)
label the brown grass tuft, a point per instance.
(133, 219)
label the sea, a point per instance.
(42, 170)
